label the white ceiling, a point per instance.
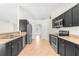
(42, 10)
(36, 11)
(39, 10)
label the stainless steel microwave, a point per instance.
(58, 23)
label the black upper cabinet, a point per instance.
(61, 16)
(76, 15)
(67, 18)
(70, 17)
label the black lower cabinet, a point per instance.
(50, 38)
(69, 49)
(20, 44)
(61, 47)
(66, 48)
(8, 49)
(14, 47)
(77, 50)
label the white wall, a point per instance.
(5, 26)
(8, 18)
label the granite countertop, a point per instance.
(4, 39)
(71, 38)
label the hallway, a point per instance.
(38, 48)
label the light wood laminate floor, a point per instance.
(38, 48)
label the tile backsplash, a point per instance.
(72, 30)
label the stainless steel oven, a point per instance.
(54, 42)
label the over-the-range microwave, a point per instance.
(58, 23)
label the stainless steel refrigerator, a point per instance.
(23, 27)
(29, 33)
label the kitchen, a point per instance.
(28, 29)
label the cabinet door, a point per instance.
(14, 48)
(50, 38)
(69, 49)
(77, 50)
(61, 16)
(68, 18)
(20, 44)
(18, 47)
(2, 50)
(8, 49)
(61, 47)
(76, 15)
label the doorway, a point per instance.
(38, 35)
(39, 30)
